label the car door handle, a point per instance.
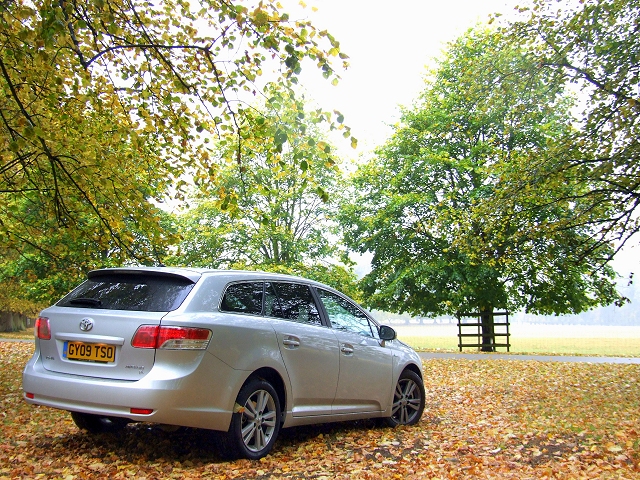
(291, 342)
(346, 349)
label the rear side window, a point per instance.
(147, 293)
(291, 301)
(243, 298)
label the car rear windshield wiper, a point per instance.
(94, 302)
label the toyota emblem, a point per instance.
(86, 324)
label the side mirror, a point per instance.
(387, 333)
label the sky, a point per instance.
(390, 44)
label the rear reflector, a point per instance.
(142, 411)
(42, 328)
(171, 338)
(29, 395)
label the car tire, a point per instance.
(98, 424)
(408, 400)
(255, 423)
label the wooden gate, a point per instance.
(471, 333)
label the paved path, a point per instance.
(516, 357)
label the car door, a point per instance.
(365, 380)
(309, 348)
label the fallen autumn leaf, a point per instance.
(484, 419)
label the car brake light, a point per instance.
(146, 337)
(171, 338)
(42, 328)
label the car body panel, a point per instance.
(109, 328)
(366, 374)
(208, 403)
(311, 357)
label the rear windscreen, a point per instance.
(148, 293)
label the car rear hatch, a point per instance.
(91, 329)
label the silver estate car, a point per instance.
(244, 353)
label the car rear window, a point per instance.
(149, 293)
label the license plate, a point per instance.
(90, 352)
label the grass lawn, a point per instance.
(612, 341)
(541, 339)
(22, 335)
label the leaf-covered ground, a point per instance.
(483, 419)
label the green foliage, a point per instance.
(420, 206)
(337, 276)
(48, 266)
(593, 45)
(107, 106)
(274, 210)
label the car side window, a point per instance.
(345, 316)
(243, 298)
(291, 301)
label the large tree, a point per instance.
(106, 106)
(275, 210)
(592, 44)
(418, 204)
(104, 102)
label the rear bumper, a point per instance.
(201, 398)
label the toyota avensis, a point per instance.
(244, 353)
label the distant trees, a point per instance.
(420, 206)
(496, 190)
(275, 209)
(108, 107)
(593, 46)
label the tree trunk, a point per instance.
(488, 330)
(12, 322)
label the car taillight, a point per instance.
(146, 337)
(42, 328)
(171, 338)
